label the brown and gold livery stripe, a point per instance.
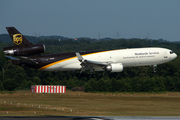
(46, 66)
(70, 58)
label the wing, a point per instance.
(91, 65)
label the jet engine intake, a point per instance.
(23, 51)
(118, 67)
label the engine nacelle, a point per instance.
(23, 51)
(117, 67)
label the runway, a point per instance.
(86, 118)
(141, 118)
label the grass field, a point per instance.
(25, 103)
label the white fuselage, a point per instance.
(127, 57)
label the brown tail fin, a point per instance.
(17, 37)
(22, 46)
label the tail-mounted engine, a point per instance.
(23, 51)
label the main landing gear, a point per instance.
(154, 68)
(87, 75)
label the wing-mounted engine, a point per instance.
(91, 65)
(24, 51)
(115, 67)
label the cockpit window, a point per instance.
(171, 52)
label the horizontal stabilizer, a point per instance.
(26, 60)
(12, 58)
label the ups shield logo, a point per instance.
(17, 39)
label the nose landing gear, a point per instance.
(154, 68)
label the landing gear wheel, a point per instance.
(154, 69)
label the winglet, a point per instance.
(80, 58)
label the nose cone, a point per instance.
(175, 55)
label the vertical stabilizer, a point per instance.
(22, 47)
(17, 38)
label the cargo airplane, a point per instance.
(29, 55)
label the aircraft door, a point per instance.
(165, 55)
(129, 61)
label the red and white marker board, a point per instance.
(48, 89)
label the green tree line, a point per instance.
(134, 79)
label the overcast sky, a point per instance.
(154, 19)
